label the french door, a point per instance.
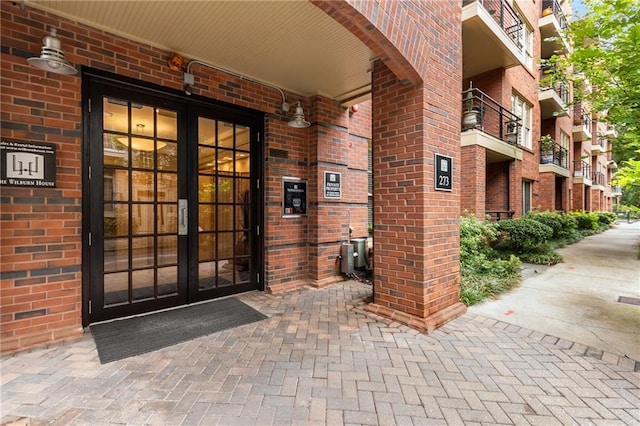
(171, 201)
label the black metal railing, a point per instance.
(554, 5)
(481, 112)
(598, 178)
(496, 215)
(560, 87)
(602, 141)
(582, 117)
(554, 155)
(505, 15)
(581, 169)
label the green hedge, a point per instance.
(585, 220)
(523, 234)
(563, 225)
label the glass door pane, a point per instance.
(224, 207)
(140, 202)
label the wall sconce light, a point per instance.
(51, 56)
(298, 119)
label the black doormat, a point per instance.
(138, 335)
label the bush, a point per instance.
(563, 225)
(475, 236)
(488, 278)
(585, 220)
(606, 218)
(522, 234)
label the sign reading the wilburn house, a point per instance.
(332, 185)
(27, 164)
(444, 173)
(294, 194)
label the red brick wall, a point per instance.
(41, 228)
(473, 174)
(497, 184)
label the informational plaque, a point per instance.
(294, 197)
(444, 173)
(27, 163)
(332, 185)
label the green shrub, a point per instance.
(585, 220)
(563, 225)
(522, 234)
(475, 236)
(488, 278)
(606, 218)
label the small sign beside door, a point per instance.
(294, 197)
(444, 173)
(332, 185)
(27, 163)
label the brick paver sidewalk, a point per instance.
(320, 359)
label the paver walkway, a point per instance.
(319, 359)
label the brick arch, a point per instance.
(383, 32)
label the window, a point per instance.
(525, 42)
(526, 196)
(522, 109)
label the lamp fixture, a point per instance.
(298, 119)
(51, 56)
(141, 144)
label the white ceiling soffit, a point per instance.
(290, 44)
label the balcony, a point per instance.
(554, 160)
(598, 146)
(616, 191)
(490, 33)
(582, 172)
(581, 125)
(611, 131)
(487, 123)
(599, 179)
(553, 97)
(553, 25)
(612, 165)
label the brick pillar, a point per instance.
(547, 192)
(332, 150)
(473, 198)
(416, 229)
(515, 188)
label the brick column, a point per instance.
(473, 172)
(515, 188)
(416, 229)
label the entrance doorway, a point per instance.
(172, 206)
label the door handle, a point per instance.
(183, 216)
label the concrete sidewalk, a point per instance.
(577, 300)
(320, 359)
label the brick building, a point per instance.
(175, 170)
(526, 144)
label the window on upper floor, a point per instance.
(522, 109)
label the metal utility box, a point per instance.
(346, 261)
(360, 248)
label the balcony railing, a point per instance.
(582, 117)
(554, 5)
(483, 113)
(581, 169)
(505, 16)
(560, 87)
(556, 155)
(598, 178)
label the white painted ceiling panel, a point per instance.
(290, 44)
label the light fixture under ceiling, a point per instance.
(141, 144)
(51, 56)
(298, 119)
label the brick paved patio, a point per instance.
(320, 359)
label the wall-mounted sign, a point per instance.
(27, 163)
(294, 197)
(444, 173)
(332, 185)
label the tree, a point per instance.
(605, 51)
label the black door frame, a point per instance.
(190, 105)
